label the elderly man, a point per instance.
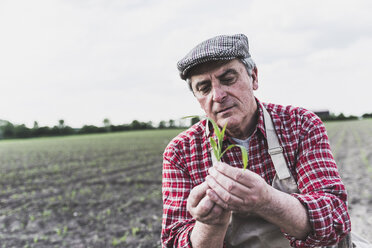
(290, 195)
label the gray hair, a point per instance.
(247, 62)
(249, 65)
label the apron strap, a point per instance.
(275, 150)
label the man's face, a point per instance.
(225, 92)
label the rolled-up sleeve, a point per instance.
(322, 192)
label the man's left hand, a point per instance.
(237, 190)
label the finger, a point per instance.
(197, 193)
(213, 215)
(204, 207)
(245, 177)
(222, 197)
(216, 199)
(228, 183)
(216, 211)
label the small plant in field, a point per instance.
(73, 194)
(65, 229)
(217, 146)
(60, 231)
(116, 241)
(135, 231)
(47, 213)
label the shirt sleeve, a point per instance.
(177, 222)
(322, 191)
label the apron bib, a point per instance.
(253, 231)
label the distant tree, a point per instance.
(171, 123)
(107, 124)
(34, 130)
(162, 125)
(124, 127)
(36, 125)
(149, 125)
(61, 124)
(91, 129)
(67, 130)
(135, 125)
(55, 130)
(8, 130)
(41, 131)
(21, 131)
(367, 115)
(341, 116)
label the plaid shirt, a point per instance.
(309, 158)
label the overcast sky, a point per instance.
(83, 61)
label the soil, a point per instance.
(353, 155)
(110, 203)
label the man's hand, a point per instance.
(211, 220)
(203, 209)
(247, 193)
(238, 190)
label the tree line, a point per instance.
(9, 130)
(342, 117)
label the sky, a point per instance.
(84, 61)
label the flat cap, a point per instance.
(223, 47)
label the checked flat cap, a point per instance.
(223, 47)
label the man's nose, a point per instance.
(219, 94)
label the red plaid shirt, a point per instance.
(308, 155)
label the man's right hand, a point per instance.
(204, 210)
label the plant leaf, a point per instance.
(215, 127)
(244, 156)
(223, 130)
(228, 148)
(215, 148)
(190, 116)
(221, 137)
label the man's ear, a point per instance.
(255, 78)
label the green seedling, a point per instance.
(217, 146)
(135, 231)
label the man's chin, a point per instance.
(229, 120)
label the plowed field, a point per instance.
(105, 190)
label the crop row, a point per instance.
(86, 191)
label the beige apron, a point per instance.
(253, 231)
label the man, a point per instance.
(291, 193)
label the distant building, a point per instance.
(323, 114)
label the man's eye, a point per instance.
(227, 80)
(204, 89)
